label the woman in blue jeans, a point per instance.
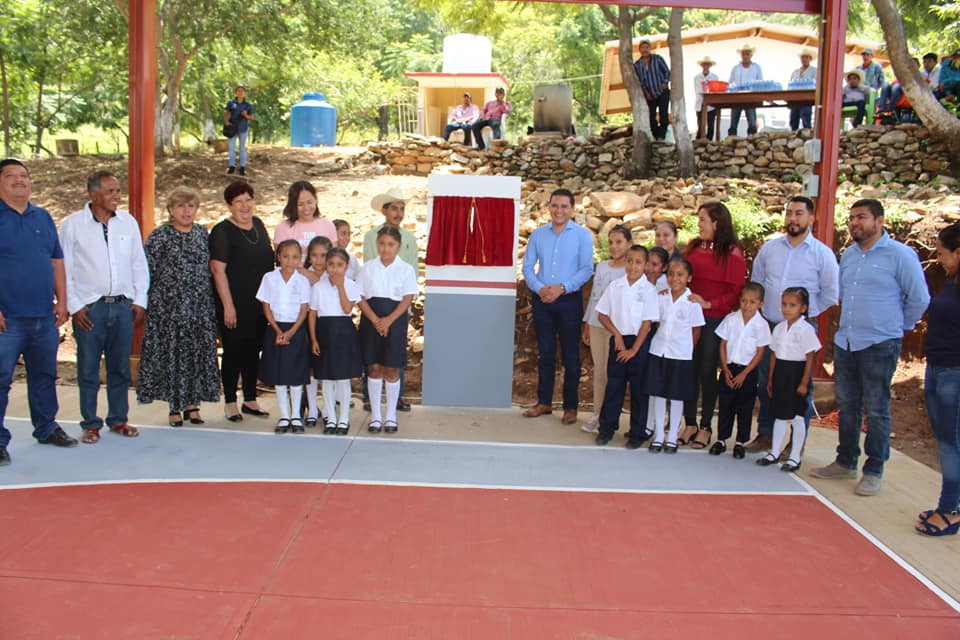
(942, 387)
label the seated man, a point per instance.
(464, 115)
(931, 69)
(950, 77)
(893, 99)
(491, 116)
(855, 95)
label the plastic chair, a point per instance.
(851, 112)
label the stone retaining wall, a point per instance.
(868, 155)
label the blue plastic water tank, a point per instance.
(313, 122)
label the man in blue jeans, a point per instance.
(239, 113)
(107, 281)
(31, 273)
(882, 294)
(558, 261)
(796, 259)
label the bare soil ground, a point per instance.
(345, 187)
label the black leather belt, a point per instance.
(112, 299)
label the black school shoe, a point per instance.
(4, 457)
(603, 438)
(402, 405)
(59, 438)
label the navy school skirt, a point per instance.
(786, 402)
(285, 364)
(668, 378)
(339, 357)
(389, 350)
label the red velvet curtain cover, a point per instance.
(471, 231)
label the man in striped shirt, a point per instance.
(654, 77)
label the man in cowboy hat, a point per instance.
(744, 73)
(805, 74)
(855, 95)
(463, 117)
(392, 204)
(872, 71)
(654, 76)
(700, 86)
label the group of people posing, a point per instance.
(686, 329)
(283, 311)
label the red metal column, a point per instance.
(833, 29)
(142, 57)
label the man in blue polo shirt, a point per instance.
(31, 272)
(558, 261)
(882, 294)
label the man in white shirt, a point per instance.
(806, 73)
(931, 69)
(107, 282)
(700, 86)
(743, 74)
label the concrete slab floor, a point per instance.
(909, 486)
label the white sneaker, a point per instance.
(592, 426)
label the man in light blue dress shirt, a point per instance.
(882, 294)
(557, 263)
(796, 259)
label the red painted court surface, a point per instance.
(284, 560)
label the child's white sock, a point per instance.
(375, 389)
(329, 398)
(343, 397)
(393, 394)
(283, 400)
(650, 416)
(296, 395)
(799, 438)
(312, 398)
(779, 435)
(660, 415)
(676, 412)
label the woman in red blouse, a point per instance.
(719, 272)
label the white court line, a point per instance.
(559, 489)
(890, 553)
(97, 483)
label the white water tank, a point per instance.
(466, 53)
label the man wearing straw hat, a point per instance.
(701, 83)
(855, 95)
(805, 74)
(743, 74)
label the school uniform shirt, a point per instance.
(325, 296)
(284, 296)
(629, 305)
(602, 277)
(353, 269)
(662, 284)
(674, 338)
(743, 338)
(794, 343)
(393, 281)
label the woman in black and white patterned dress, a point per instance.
(178, 360)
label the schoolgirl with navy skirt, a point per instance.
(388, 286)
(670, 363)
(793, 344)
(656, 274)
(284, 362)
(334, 340)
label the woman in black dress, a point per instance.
(240, 253)
(178, 360)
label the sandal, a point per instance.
(193, 415)
(374, 426)
(125, 430)
(718, 447)
(656, 447)
(790, 466)
(342, 429)
(90, 436)
(686, 436)
(767, 460)
(701, 443)
(923, 515)
(174, 419)
(283, 426)
(390, 426)
(928, 528)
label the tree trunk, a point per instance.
(639, 165)
(383, 121)
(678, 108)
(4, 88)
(938, 120)
(38, 118)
